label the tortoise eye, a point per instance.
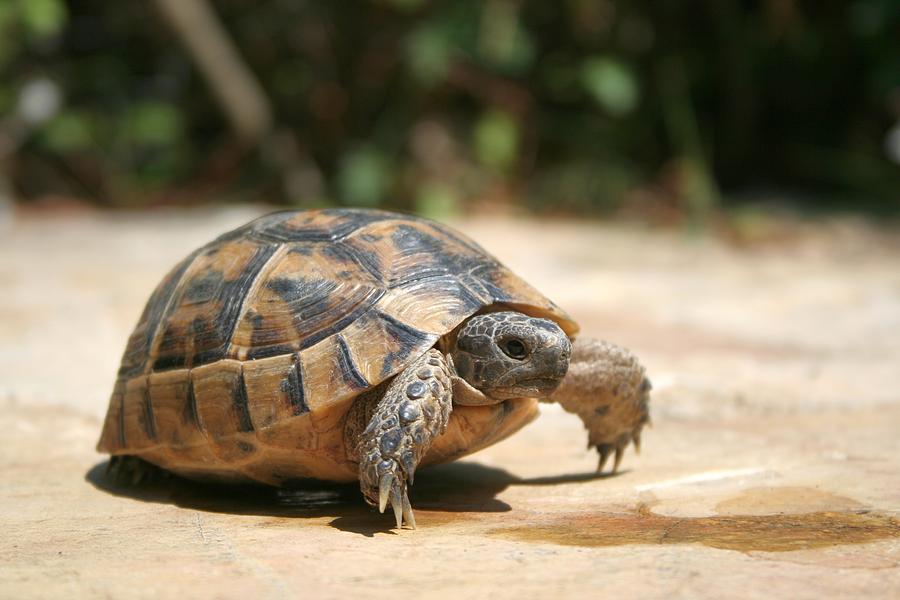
(514, 348)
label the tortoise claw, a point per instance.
(384, 490)
(408, 513)
(620, 452)
(397, 505)
(616, 450)
(392, 488)
(604, 450)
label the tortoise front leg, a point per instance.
(402, 423)
(606, 387)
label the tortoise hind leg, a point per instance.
(130, 470)
(401, 425)
(607, 388)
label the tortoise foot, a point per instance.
(412, 412)
(607, 388)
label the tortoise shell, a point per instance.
(251, 350)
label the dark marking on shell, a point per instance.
(146, 418)
(171, 362)
(408, 339)
(245, 447)
(258, 335)
(349, 371)
(293, 387)
(425, 272)
(491, 279)
(121, 421)
(241, 405)
(475, 287)
(204, 288)
(410, 239)
(362, 257)
(210, 338)
(471, 302)
(191, 415)
(234, 293)
(257, 352)
(302, 291)
(199, 325)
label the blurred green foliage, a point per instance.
(576, 105)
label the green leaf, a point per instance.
(43, 18)
(437, 201)
(154, 123)
(68, 132)
(611, 83)
(8, 14)
(364, 176)
(496, 140)
(504, 42)
(428, 53)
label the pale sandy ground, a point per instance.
(772, 468)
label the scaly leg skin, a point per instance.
(607, 388)
(412, 412)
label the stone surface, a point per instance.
(772, 468)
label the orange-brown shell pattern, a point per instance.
(295, 314)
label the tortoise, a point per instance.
(353, 344)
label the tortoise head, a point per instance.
(510, 355)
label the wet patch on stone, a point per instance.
(782, 532)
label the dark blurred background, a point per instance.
(669, 110)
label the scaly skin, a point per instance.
(607, 388)
(413, 411)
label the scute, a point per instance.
(319, 306)
(206, 305)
